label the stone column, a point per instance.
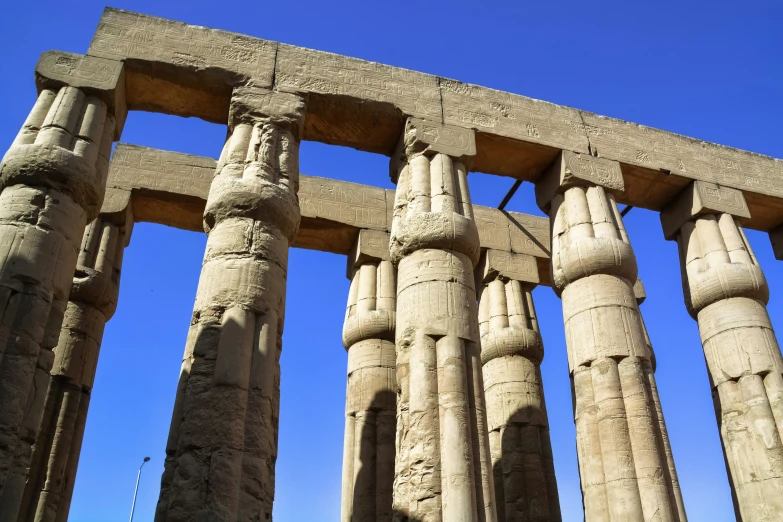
(622, 462)
(657, 410)
(370, 403)
(92, 302)
(443, 469)
(222, 447)
(726, 292)
(511, 354)
(53, 179)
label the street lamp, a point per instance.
(135, 492)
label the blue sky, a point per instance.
(711, 70)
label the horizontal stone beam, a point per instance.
(175, 68)
(171, 189)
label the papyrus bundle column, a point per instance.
(92, 302)
(622, 461)
(442, 471)
(53, 181)
(657, 409)
(726, 292)
(511, 354)
(222, 446)
(370, 412)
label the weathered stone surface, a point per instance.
(701, 198)
(222, 444)
(511, 354)
(442, 470)
(104, 79)
(371, 393)
(623, 463)
(92, 302)
(575, 170)
(53, 181)
(726, 292)
(496, 264)
(190, 71)
(170, 188)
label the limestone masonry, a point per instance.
(445, 417)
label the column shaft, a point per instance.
(623, 464)
(726, 292)
(222, 445)
(443, 469)
(53, 180)
(370, 407)
(92, 302)
(511, 353)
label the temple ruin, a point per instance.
(445, 410)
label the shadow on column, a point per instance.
(524, 473)
(373, 485)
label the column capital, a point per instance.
(701, 198)
(250, 104)
(370, 246)
(99, 77)
(497, 264)
(639, 292)
(430, 138)
(117, 209)
(571, 169)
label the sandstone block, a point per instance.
(99, 77)
(700, 198)
(572, 169)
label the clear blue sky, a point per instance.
(712, 70)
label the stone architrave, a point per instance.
(92, 302)
(53, 179)
(443, 469)
(222, 446)
(511, 354)
(726, 292)
(622, 461)
(371, 393)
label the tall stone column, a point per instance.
(511, 354)
(657, 410)
(92, 302)
(370, 403)
(443, 469)
(726, 292)
(53, 180)
(222, 447)
(622, 462)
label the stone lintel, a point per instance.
(506, 265)
(571, 169)
(250, 104)
(638, 291)
(370, 246)
(98, 77)
(117, 208)
(429, 137)
(700, 198)
(171, 188)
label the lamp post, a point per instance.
(136, 491)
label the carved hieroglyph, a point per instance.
(511, 355)
(53, 180)
(187, 70)
(622, 461)
(91, 304)
(371, 393)
(443, 470)
(726, 292)
(222, 446)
